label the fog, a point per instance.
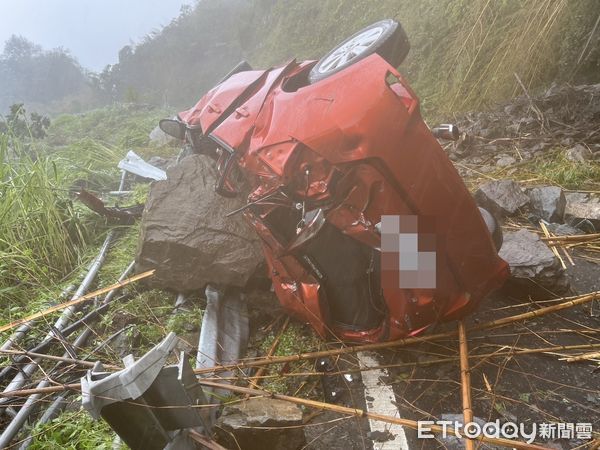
(93, 31)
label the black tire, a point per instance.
(392, 45)
(493, 227)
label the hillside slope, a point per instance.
(464, 54)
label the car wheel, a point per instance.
(386, 38)
(493, 227)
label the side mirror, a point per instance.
(446, 131)
(313, 223)
(173, 128)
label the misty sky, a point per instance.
(93, 30)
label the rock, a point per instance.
(159, 137)
(162, 163)
(503, 197)
(581, 206)
(563, 229)
(532, 264)
(548, 202)
(186, 236)
(505, 161)
(236, 425)
(579, 153)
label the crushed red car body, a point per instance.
(324, 162)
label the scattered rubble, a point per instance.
(242, 425)
(186, 236)
(548, 203)
(533, 266)
(502, 197)
(528, 127)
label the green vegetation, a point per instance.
(40, 228)
(558, 170)
(17, 124)
(73, 431)
(297, 338)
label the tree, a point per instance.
(17, 124)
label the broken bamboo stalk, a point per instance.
(63, 359)
(362, 413)
(571, 302)
(573, 238)
(497, 354)
(256, 379)
(584, 357)
(78, 300)
(553, 246)
(25, 392)
(465, 380)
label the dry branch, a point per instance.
(465, 380)
(571, 302)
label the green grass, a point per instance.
(554, 168)
(41, 230)
(297, 338)
(73, 431)
(123, 126)
(560, 171)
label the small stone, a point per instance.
(548, 202)
(580, 206)
(532, 263)
(505, 161)
(579, 153)
(502, 197)
(261, 423)
(563, 229)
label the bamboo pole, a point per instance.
(573, 238)
(77, 300)
(362, 413)
(552, 245)
(75, 386)
(256, 379)
(64, 359)
(571, 302)
(42, 390)
(465, 380)
(584, 357)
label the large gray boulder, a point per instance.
(261, 423)
(501, 197)
(533, 266)
(548, 202)
(186, 236)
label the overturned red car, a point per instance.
(368, 230)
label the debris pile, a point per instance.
(566, 116)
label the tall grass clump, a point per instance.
(40, 231)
